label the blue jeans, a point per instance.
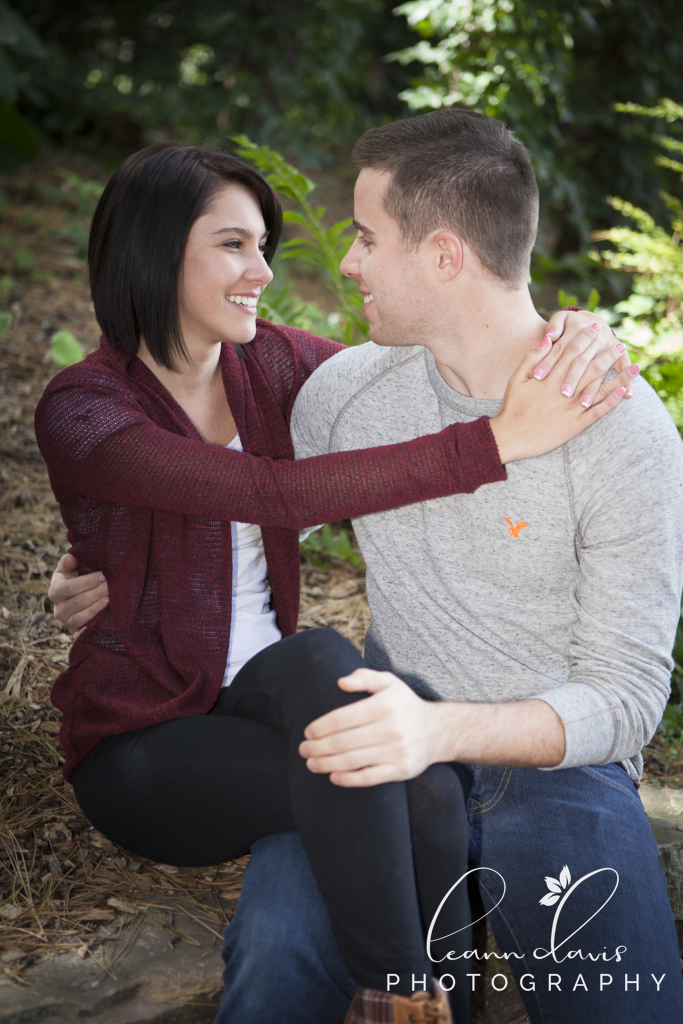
(579, 834)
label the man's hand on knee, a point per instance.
(384, 738)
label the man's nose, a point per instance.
(349, 266)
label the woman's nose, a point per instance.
(260, 271)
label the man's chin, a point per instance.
(385, 339)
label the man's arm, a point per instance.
(628, 487)
(394, 734)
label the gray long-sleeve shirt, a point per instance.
(562, 582)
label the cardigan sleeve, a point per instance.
(100, 445)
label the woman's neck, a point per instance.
(197, 386)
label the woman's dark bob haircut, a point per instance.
(139, 233)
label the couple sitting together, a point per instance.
(521, 522)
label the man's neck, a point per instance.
(481, 344)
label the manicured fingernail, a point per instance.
(620, 392)
(546, 341)
(634, 369)
(568, 390)
(586, 401)
(539, 373)
(596, 327)
(629, 393)
(621, 348)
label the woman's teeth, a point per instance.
(366, 299)
(243, 300)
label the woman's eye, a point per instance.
(233, 243)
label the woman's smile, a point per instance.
(247, 303)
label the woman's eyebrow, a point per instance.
(244, 232)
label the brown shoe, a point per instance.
(372, 1006)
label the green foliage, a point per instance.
(17, 41)
(280, 306)
(671, 724)
(6, 287)
(591, 303)
(325, 544)
(307, 75)
(5, 323)
(24, 260)
(18, 142)
(81, 194)
(65, 349)
(552, 73)
(650, 320)
(677, 674)
(320, 249)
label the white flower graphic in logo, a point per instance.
(556, 886)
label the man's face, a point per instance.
(397, 286)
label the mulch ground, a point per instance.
(63, 885)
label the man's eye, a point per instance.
(365, 242)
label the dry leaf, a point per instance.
(98, 915)
(124, 905)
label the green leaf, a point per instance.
(16, 35)
(281, 175)
(65, 349)
(593, 300)
(24, 259)
(566, 300)
(5, 323)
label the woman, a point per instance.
(183, 708)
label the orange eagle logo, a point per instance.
(514, 528)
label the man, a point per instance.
(540, 610)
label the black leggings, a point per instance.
(200, 790)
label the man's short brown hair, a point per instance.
(460, 170)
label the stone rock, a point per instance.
(664, 809)
(145, 975)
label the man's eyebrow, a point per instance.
(243, 232)
(362, 228)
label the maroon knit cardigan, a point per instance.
(149, 503)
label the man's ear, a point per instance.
(448, 253)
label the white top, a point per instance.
(253, 625)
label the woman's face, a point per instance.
(224, 271)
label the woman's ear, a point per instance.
(448, 253)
